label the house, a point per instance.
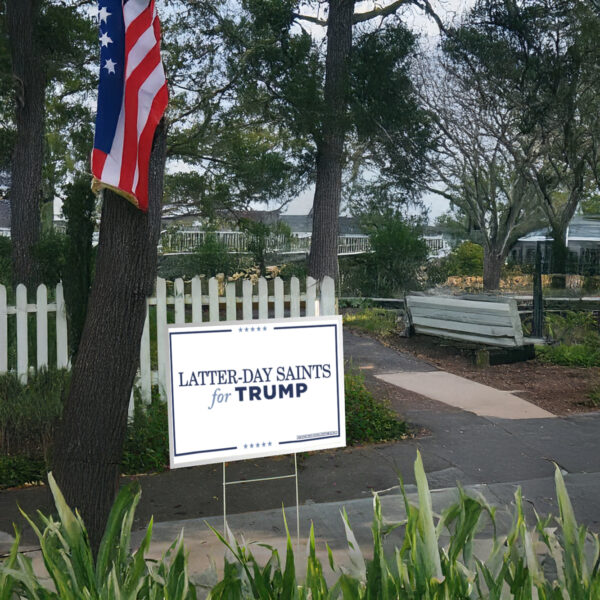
(583, 242)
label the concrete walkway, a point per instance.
(477, 436)
(468, 395)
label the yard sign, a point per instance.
(248, 389)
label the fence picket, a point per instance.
(311, 297)
(145, 360)
(328, 296)
(161, 332)
(3, 331)
(196, 300)
(294, 297)
(263, 299)
(231, 302)
(247, 300)
(22, 343)
(279, 300)
(213, 300)
(41, 322)
(179, 292)
(62, 339)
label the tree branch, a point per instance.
(384, 11)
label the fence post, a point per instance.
(294, 297)
(311, 297)
(3, 331)
(213, 300)
(247, 300)
(161, 333)
(279, 299)
(196, 300)
(42, 326)
(263, 299)
(328, 296)
(231, 302)
(145, 360)
(179, 293)
(62, 342)
(22, 345)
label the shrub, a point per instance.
(572, 327)
(466, 260)
(576, 355)
(146, 447)
(368, 420)
(117, 571)
(211, 257)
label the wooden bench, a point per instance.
(481, 320)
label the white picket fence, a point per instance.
(42, 309)
(194, 301)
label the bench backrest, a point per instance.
(494, 322)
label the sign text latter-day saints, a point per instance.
(247, 389)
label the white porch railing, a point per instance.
(185, 241)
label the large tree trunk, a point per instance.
(492, 269)
(328, 191)
(90, 442)
(26, 178)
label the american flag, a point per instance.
(132, 97)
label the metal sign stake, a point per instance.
(293, 475)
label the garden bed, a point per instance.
(557, 389)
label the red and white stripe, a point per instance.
(144, 102)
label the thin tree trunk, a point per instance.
(90, 442)
(26, 176)
(560, 255)
(328, 191)
(492, 269)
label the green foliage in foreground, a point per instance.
(437, 557)
(117, 571)
(424, 567)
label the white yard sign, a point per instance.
(247, 389)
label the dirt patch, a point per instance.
(559, 390)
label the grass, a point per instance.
(378, 321)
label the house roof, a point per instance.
(581, 228)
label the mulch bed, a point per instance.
(559, 390)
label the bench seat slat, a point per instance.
(460, 317)
(477, 339)
(473, 328)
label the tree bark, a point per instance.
(492, 269)
(90, 441)
(330, 148)
(26, 177)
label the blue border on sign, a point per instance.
(335, 332)
(175, 453)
